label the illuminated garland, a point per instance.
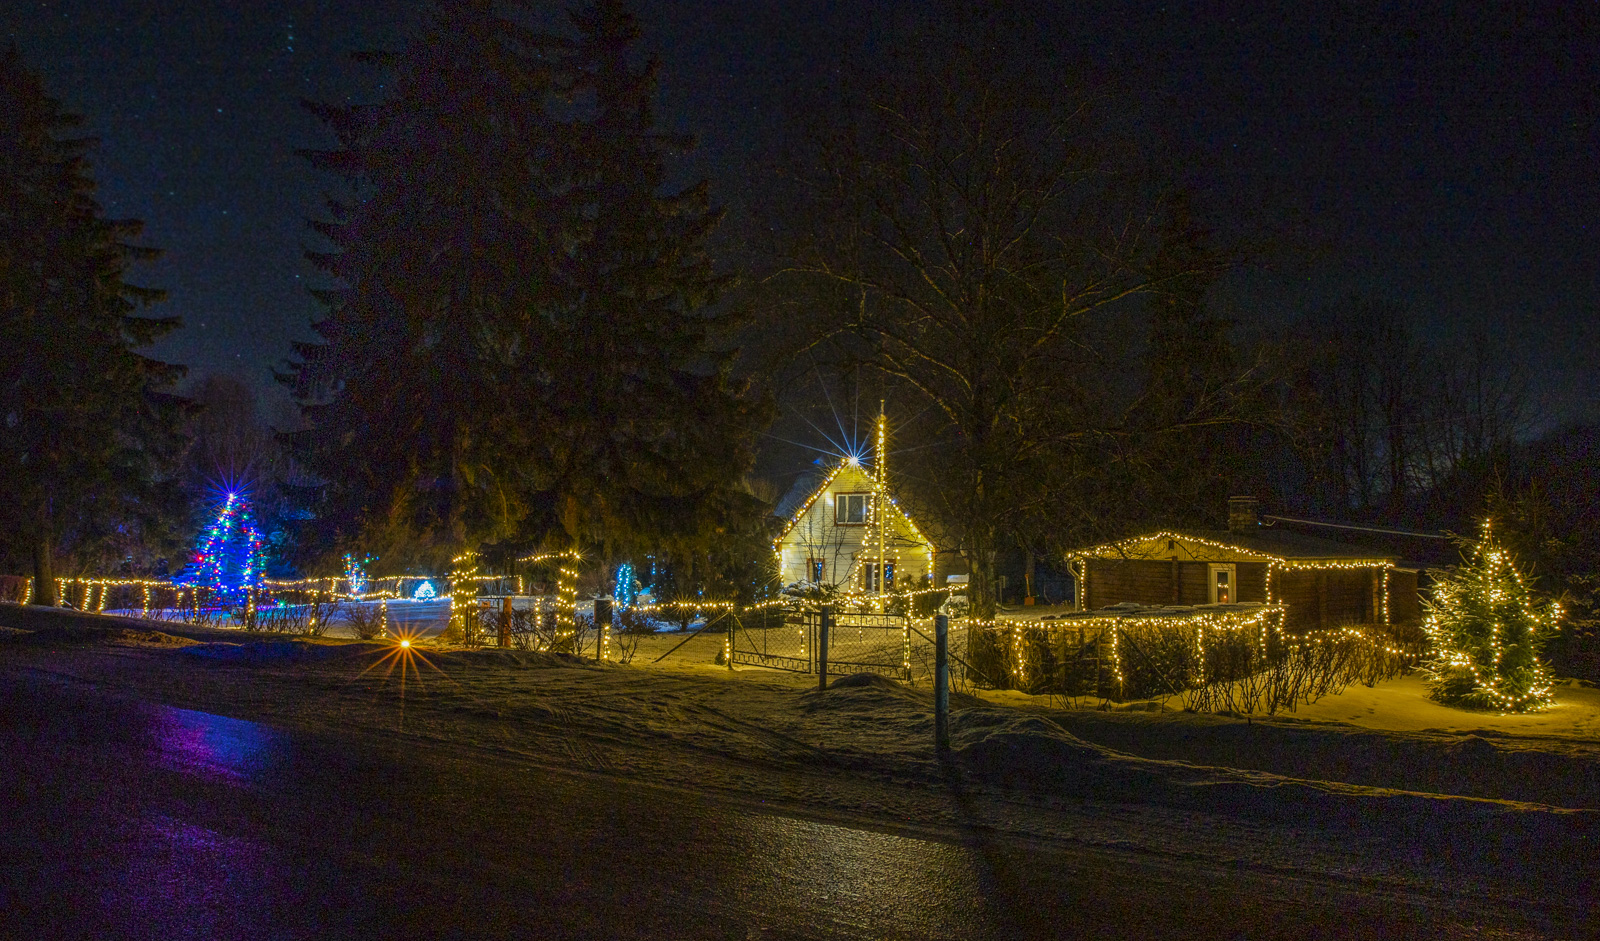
(623, 591)
(566, 584)
(355, 574)
(463, 592)
(1265, 620)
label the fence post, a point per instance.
(602, 623)
(505, 622)
(824, 623)
(941, 683)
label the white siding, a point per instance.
(815, 535)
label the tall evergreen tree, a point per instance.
(649, 436)
(520, 349)
(439, 255)
(89, 422)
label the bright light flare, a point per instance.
(405, 656)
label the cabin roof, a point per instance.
(1268, 544)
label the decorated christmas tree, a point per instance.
(1487, 629)
(626, 592)
(228, 561)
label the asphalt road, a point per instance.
(129, 819)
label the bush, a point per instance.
(367, 621)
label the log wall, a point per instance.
(1146, 581)
(1321, 598)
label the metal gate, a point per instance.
(857, 642)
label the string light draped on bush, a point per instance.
(1487, 629)
(229, 561)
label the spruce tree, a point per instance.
(89, 422)
(438, 257)
(1487, 629)
(522, 347)
(649, 435)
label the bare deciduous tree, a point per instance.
(972, 233)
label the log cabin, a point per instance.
(1322, 583)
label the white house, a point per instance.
(832, 535)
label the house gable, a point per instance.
(816, 537)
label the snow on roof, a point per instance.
(1266, 544)
(799, 493)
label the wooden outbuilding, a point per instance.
(1322, 583)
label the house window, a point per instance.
(818, 569)
(850, 509)
(1224, 584)
(869, 576)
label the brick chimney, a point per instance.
(1242, 516)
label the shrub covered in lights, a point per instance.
(1487, 629)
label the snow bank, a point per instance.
(1032, 753)
(280, 651)
(74, 635)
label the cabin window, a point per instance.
(850, 509)
(818, 569)
(1224, 584)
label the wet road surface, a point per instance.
(128, 819)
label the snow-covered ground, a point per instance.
(1310, 792)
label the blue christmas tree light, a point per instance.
(229, 559)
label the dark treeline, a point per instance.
(540, 335)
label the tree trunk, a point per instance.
(980, 578)
(44, 569)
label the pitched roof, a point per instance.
(798, 493)
(1262, 542)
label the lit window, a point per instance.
(1223, 584)
(850, 509)
(819, 570)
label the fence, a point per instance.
(858, 642)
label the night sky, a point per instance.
(1443, 156)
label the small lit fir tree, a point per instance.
(229, 560)
(1487, 629)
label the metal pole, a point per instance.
(602, 623)
(941, 683)
(824, 623)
